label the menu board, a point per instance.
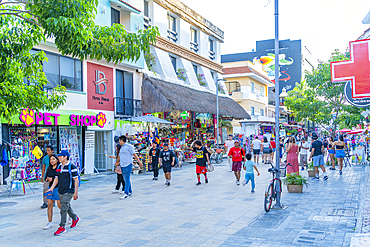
(68, 141)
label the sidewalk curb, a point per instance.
(362, 194)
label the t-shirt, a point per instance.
(266, 144)
(273, 144)
(46, 162)
(325, 144)
(249, 166)
(317, 145)
(304, 145)
(166, 157)
(229, 144)
(237, 154)
(200, 153)
(125, 154)
(256, 144)
(64, 178)
(155, 155)
(51, 173)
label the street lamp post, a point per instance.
(217, 111)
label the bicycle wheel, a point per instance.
(219, 159)
(212, 159)
(268, 196)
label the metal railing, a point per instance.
(124, 107)
(193, 46)
(147, 22)
(212, 55)
(171, 35)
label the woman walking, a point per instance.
(292, 157)
(266, 150)
(118, 171)
(52, 196)
(339, 152)
(331, 153)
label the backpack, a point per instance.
(70, 175)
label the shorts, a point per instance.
(166, 169)
(256, 151)
(200, 169)
(318, 160)
(54, 196)
(266, 151)
(237, 166)
(331, 151)
(340, 154)
(274, 149)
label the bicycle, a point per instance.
(216, 158)
(271, 191)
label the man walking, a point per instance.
(303, 153)
(153, 159)
(256, 145)
(167, 160)
(44, 167)
(318, 157)
(126, 153)
(67, 180)
(202, 159)
(237, 154)
(228, 145)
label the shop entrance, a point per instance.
(101, 148)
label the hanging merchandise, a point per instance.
(69, 142)
(37, 152)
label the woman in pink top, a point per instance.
(292, 157)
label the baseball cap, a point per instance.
(237, 141)
(314, 136)
(63, 153)
(166, 144)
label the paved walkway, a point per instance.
(219, 213)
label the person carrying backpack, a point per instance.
(67, 179)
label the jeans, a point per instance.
(65, 201)
(250, 176)
(45, 188)
(155, 169)
(120, 181)
(126, 172)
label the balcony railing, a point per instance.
(193, 46)
(124, 107)
(212, 55)
(171, 35)
(147, 22)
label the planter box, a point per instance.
(295, 188)
(311, 173)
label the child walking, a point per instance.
(249, 174)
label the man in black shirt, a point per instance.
(67, 181)
(202, 159)
(154, 158)
(167, 160)
(317, 156)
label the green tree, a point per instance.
(316, 98)
(27, 23)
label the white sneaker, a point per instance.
(237, 182)
(244, 182)
(122, 192)
(115, 191)
(123, 197)
(48, 225)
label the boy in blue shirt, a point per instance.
(249, 174)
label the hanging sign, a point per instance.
(356, 72)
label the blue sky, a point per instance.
(322, 25)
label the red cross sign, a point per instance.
(356, 70)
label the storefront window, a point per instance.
(51, 69)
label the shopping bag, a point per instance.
(37, 152)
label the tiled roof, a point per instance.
(242, 70)
(129, 5)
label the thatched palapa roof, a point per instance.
(162, 96)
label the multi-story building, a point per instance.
(366, 34)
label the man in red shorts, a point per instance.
(202, 159)
(237, 154)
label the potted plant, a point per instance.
(150, 60)
(311, 170)
(295, 182)
(181, 74)
(201, 79)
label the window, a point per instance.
(124, 103)
(262, 112)
(214, 77)
(195, 69)
(115, 16)
(252, 87)
(63, 71)
(193, 40)
(252, 110)
(262, 89)
(173, 61)
(211, 49)
(171, 28)
(232, 86)
(147, 20)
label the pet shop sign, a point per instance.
(30, 117)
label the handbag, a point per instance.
(118, 170)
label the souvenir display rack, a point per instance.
(69, 142)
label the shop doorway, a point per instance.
(101, 148)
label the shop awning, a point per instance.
(162, 96)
